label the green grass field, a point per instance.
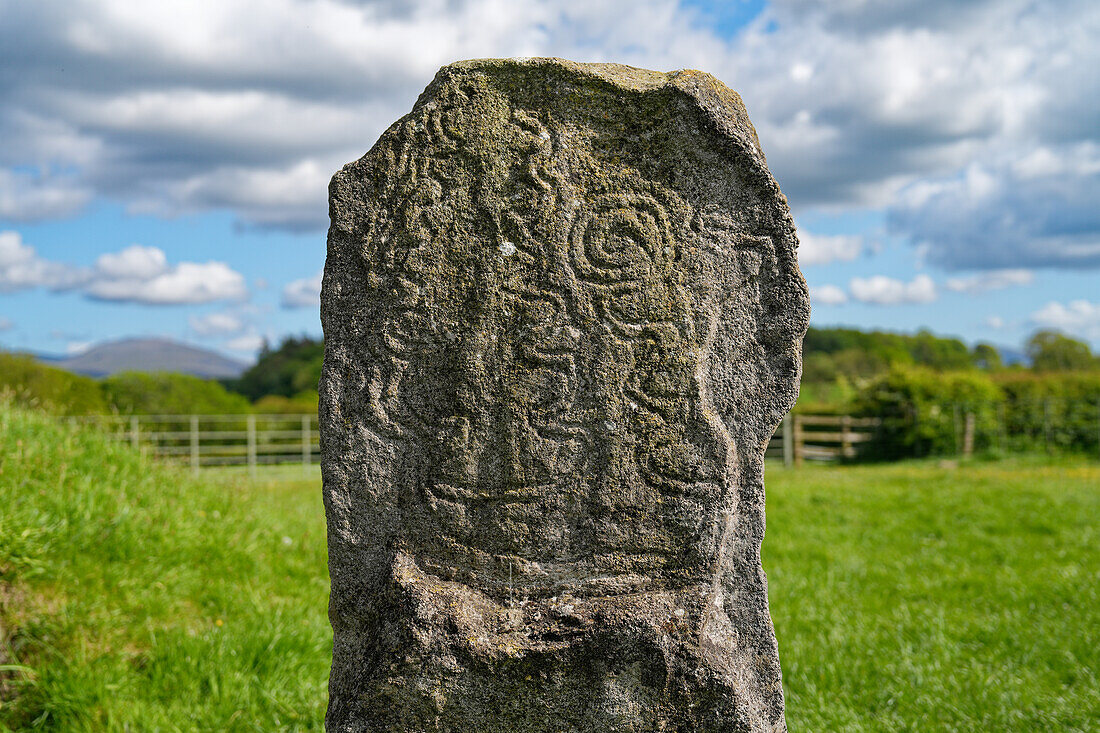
(906, 597)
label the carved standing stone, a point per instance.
(562, 316)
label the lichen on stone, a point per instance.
(562, 314)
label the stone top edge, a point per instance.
(629, 77)
(710, 93)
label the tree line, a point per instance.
(845, 370)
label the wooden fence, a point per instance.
(820, 438)
(252, 440)
(217, 440)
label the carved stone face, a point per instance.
(540, 345)
(562, 317)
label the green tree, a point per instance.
(938, 352)
(1051, 351)
(290, 370)
(987, 357)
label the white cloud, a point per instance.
(78, 347)
(6, 324)
(185, 283)
(247, 106)
(1079, 317)
(1008, 213)
(992, 280)
(136, 274)
(303, 293)
(882, 290)
(21, 268)
(292, 197)
(828, 295)
(217, 324)
(821, 249)
(25, 197)
(250, 342)
(995, 322)
(133, 263)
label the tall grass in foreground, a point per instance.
(906, 597)
(133, 597)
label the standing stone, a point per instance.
(562, 316)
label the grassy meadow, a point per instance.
(906, 597)
(135, 597)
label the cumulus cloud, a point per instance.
(882, 290)
(234, 328)
(992, 280)
(828, 295)
(249, 342)
(249, 106)
(140, 274)
(994, 322)
(303, 293)
(293, 198)
(1039, 211)
(1079, 317)
(134, 262)
(28, 197)
(185, 283)
(217, 324)
(821, 249)
(21, 268)
(135, 274)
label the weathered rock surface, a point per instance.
(562, 316)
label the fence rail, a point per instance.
(953, 429)
(216, 440)
(251, 440)
(829, 437)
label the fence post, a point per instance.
(798, 440)
(788, 442)
(194, 443)
(968, 435)
(252, 445)
(1002, 428)
(955, 425)
(916, 431)
(307, 445)
(135, 431)
(846, 450)
(1046, 424)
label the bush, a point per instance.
(1055, 411)
(166, 393)
(923, 411)
(30, 383)
(300, 404)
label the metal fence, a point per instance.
(216, 440)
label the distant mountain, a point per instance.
(149, 355)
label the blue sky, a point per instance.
(163, 165)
